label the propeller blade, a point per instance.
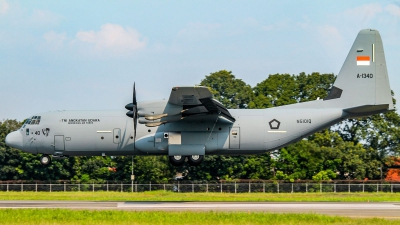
(133, 113)
(134, 95)
(129, 106)
(134, 110)
(130, 114)
(135, 119)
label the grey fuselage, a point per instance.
(191, 123)
(90, 133)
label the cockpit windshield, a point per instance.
(34, 120)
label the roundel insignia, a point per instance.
(274, 124)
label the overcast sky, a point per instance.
(57, 55)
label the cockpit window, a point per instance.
(35, 120)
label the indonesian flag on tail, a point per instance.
(363, 60)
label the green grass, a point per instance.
(105, 217)
(203, 197)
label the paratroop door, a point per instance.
(59, 144)
(234, 138)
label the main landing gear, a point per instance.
(177, 160)
(193, 160)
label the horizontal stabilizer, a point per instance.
(366, 110)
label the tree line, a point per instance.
(359, 149)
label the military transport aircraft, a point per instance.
(191, 124)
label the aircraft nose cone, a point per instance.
(14, 139)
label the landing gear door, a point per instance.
(59, 144)
(234, 138)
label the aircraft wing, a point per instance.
(193, 103)
(197, 101)
(188, 95)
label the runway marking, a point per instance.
(364, 210)
(325, 206)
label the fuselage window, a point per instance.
(27, 121)
(27, 131)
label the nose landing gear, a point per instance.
(45, 160)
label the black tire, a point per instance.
(177, 160)
(45, 160)
(195, 160)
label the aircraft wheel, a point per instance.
(195, 160)
(177, 160)
(45, 160)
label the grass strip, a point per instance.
(203, 197)
(105, 217)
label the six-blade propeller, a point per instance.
(133, 112)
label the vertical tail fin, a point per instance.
(363, 80)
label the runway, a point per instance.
(382, 210)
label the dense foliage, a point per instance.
(353, 149)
